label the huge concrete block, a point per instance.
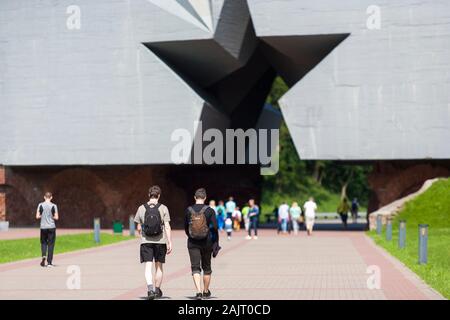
(381, 93)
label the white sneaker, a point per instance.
(248, 237)
(50, 266)
(255, 238)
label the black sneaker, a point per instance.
(43, 262)
(158, 293)
(199, 296)
(207, 295)
(151, 295)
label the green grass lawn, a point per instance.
(432, 208)
(19, 249)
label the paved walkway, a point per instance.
(328, 265)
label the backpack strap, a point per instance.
(147, 206)
(202, 211)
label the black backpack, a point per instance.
(152, 220)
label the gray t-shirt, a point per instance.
(47, 209)
(165, 217)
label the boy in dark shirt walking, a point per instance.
(201, 228)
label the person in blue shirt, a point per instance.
(230, 205)
(220, 214)
(253, 215)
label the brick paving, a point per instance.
(328, 265)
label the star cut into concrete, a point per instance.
(234, 70)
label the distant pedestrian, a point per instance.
(220, 215)
(253, 215)
(343, 210)
(153, 224)
(200, 225)
(283, 217)
(355, 209)
(237, 219)
(310, 214)
(229, 227)
(230, 205)
(245, 217)
(47, 211)
(296, 214)
(212, 205)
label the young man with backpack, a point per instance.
(201, 228)
(47, 211)
(153, 221)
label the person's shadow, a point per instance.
(195, 298)
(162, 298)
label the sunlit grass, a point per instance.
(19, 249)
(432, 208)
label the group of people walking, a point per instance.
(202, 224)
(230, 217)
(202, 231)
(293, 217)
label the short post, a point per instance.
(389, 229)
(97, 230)
(423, 243)
(132, 228)
(402, 234)
(379, 224)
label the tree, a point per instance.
(312, 177)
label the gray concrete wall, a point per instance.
(94, 95)
(98, 96)
(382, 93)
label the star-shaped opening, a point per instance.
(234, 71)
(239, 86)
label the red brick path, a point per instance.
(328, 265)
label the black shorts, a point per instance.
(153, 251)
(200, 259)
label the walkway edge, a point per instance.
(31, 261)
(425, 288)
